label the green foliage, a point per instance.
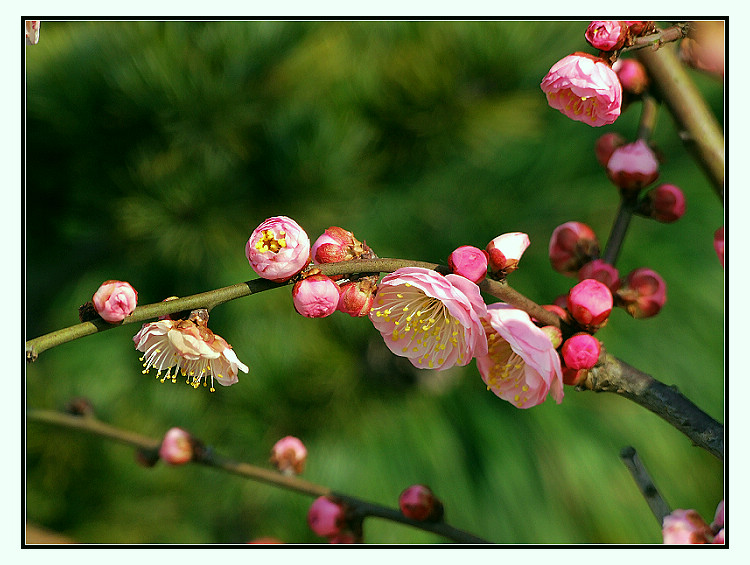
(155, 148)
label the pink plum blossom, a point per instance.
(115, 300)
(278, 249)
(719, 244)
(581, 351)
(289, 455)
(433, 320)
(325, 517)
(315, 296)
(470, 262)
(584, 88)
(685, 527)
(190, 348)
(505, 251)
(590, 303)
(606, 35)
(521, 365)
(177, 447)
(633, 166)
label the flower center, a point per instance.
(508, 371)
(271, 242)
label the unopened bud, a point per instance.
(316, 296)
(469, 262)
(590, 303)
(505, 251)
(581, 351)
(633, 166)
(336, 244)
(289, 455)
(605, 146)
(606, 35)
(559, 309)
(571, 246)
(665, 203)
(325, 517)
(573, 377)
(356, 297)
(115, 300)
(638, 27)
(177, 447)
(419, 503)
(554, 334)
(600, 270)
(633, 76)
(643, 293)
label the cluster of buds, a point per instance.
(332, 519)
(500, 256)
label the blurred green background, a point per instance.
(155, 148)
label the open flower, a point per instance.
(584, 88)
(190, 348)
(278, 249)
(433, 320)
(521, 365)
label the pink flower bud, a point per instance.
(685, 527)
(571, 246)
(719, 244)
(419, 503)
(632, 75)
(336, 244)
(278, 249)
(584, 88)
(600, 270)
(289, 455)
(605, 146)
(666, 203)
(633, 166)
(505, 251)
(115, 300)
(469, 262)
(316, 296)
(325, 517)
(573, 377)
(581, 351)
(643, 293)
(356, 297)
(590, 302)
(177, 447)
(606, 35)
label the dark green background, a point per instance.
(154, 149)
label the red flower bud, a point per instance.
(589, 303)
(419, 503)
(571, 246)
(633, 76)
(581, 351)
(356, 297)
(605, 145)
(666, 203)
(643, 293)
(600, 270)
(325, 517)
(336, 244)
(469, 262)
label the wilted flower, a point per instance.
(278, 249)
(190, 348)
(521, 365)
(433, 320)
(584, 88)
(115, 300)
(470, 262)
(315, 296)
(505, 252)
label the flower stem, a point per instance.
(210, 458)
(628, 205)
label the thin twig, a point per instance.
(210, 458)
(645, 483)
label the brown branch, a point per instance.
(210, 458)
(698, 127)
